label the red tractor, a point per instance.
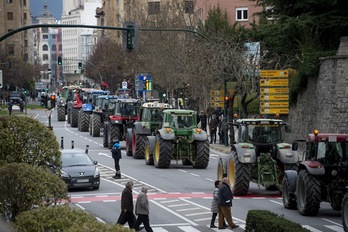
(125, 114)
(322, 174)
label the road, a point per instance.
(179, 196)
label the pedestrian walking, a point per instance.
(116, 155)
(214, 204)
(142, 210)
(21, 105)
(9, 107)
(127, 207)
(213, 124)
(225, 204)
(203, 120)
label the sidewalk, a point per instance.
(220, 147)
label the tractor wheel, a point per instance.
(163, 152)
(239, 175)
(114, 133)
(291, 167)
(68, 112)
(202, 158)
(221, 167)
(90, 125)
(308, 194)
(105, 135)
(74, 117)
(129, 136)
(95, 127)
(289, 189)
(345, 213)
(84, 121)
(138, 146)
(148, 155)
(61, 113)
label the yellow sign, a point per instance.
(274, 104)
(230, 91)
(216, 99)
(274, 110)
(274, 82)
(274, 73)
(274, 90)
(216, 93)
(274, 97)
(217, 104)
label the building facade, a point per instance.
(15, 14)
(78, 43)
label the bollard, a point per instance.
(62, 142)
(72, 144)
(87, 146)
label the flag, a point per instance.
(104, 84)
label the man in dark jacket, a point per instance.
(127, 207)
(203, 120)
(116, 155)
(225, 204)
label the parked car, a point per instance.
(79, 170)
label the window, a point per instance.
(54, 47)
(189, 7)
(241, 14)
(44, 36)
(45, 47)
(9, 15)
(24, 2)
(59, 47)
(11, 50)
(9, 1)
(44, 30)
(154, 8)
(45, 57)
(25, 15)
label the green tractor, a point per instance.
(66, 97)
(258, 154)
(178, 139)
(151, 117)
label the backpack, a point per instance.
(116, 152)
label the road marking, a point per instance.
(188, 229)
(194, 214)
(335, 228)
(187, 209)
(311, 228)
(279, 203)
(335, 223)
(178, 205)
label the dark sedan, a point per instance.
(79, 170)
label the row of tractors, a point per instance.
(307, 172)
(151, 130)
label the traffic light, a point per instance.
(53, 101)
(80, 65)
(60, 62)
(130, 36)
(227, 101)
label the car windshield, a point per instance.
(76, 159)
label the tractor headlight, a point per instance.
(334, 172)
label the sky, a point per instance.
(54, 6)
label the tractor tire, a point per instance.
(129, 136)
(289, 189)
(138, 146)
(150, 150)
(84, 121)
(291, 167)
(95, 127)
(308, 194)
(239, 175)
(202, 158)
(114, 134)
(74, 117)
(105, 135)
(90, 125)
(163, 152)
(61, 113)
(221, 167)
(68, 112)
(345, 213)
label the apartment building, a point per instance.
(15, 14)
(78, 43)
(48, 47)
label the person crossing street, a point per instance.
(116, 155)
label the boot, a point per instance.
(118, 175)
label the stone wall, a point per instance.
(324, 103)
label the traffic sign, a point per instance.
(124, 84)
(274, 104)
(274, 73)
(217, 104)
(274, 90)
(216, 99)
(216, 93)
(274, 82)
(265, 97)
(274, 110)
(230, 91)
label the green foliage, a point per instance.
(24, 139)
(62, 218)
(263, 220)
(25, 186)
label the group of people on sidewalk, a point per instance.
(217, 125)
